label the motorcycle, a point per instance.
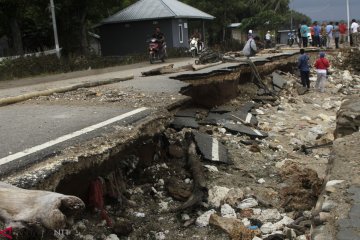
(157, 51)
(196, 47)
(291, 39)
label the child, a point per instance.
(304, 67)
(321, 65)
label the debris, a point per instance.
(242, 129)
(211, 168)
(112, 237)
(122, 227)
(302, 188)
(261, 181)
(234, 227)
(216, 195)
(248, 203)
(301, 90)
(211, 149)
(184, 122)
(203, 220)
(269, 215)
(278, 80)
(227, 211)
(234, 197)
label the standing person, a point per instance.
(268, 40)
(336, 32)
(323, 37)
(304, 31)
(299, 36)
(321, 65)
(355, 32)
(317, 32)
(304, 67)
(250, 48)
(312, 32)
(342, 31)
(329, 34)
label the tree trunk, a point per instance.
(16, 36)
(83, 33)
(21, 208)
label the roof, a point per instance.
(156, 9)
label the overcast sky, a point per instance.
(327, 9)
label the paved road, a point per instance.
(30, 131)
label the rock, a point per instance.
(347, 76)
(278, 80)
(308, 100)
(324, 117)
(270, 215)
(348, 117)
(257, 238)
(112, 237)
(234, 197)
(302, 237)
(246, 222)
(296, 142)
(203, 220)
(122, 227)
(227, 211)
(306, 118)
(139, 214)
(248, 203)
(178, 189)
(327, 106)
(211, 168)
(176, 151)
(222, 130)
(79, 226)
(301, 90)
(314, 133)
(328, 205)
(160, 236)
(283, 222)
(234, 227)
(216, 195)
(261, 181)
(268, 228)
(163, 206)
(259, 112)
(185, 217)
(88, 237)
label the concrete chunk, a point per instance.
(278, 80)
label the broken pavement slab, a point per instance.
(210, 148)
(184, 122)
(245, 117)
(242, 129)
(278, 81)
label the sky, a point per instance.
(321, 10)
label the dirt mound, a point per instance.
(301, 189)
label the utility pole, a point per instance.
(55, 28)
(348, 19)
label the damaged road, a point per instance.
(243, 174)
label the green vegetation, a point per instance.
(28, 26)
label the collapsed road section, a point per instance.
(229, 169)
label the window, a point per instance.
(181, 33)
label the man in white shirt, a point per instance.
(355, 32)
(268, 40)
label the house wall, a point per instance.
(176, 23)
(129, 38)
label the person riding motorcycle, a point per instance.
(160, 38)
(197, 36)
